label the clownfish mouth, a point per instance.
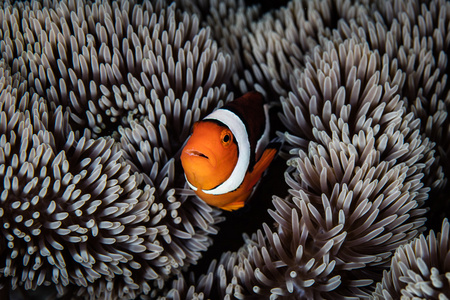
(196, 153)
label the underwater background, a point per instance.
(98, 97)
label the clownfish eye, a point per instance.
(226, 138)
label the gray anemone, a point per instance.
(96, 100)
(419, 269)
(98, 97)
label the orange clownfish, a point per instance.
(228, 151)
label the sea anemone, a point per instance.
(360, 167)
(96, 100)
(419, 269)
(98, 97)
(355, 190)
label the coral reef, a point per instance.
(98, 97)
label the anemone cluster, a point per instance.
(98, 97)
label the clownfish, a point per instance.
(228, 151)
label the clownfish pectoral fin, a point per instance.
(238, 202)
(233, 205)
